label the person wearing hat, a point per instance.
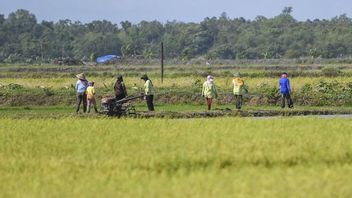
(120, 88)
(91, 97)
(81, 86)
(209, 91)
(148, 92)
(238, 89)
(285, 90)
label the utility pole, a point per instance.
(162, 61)
(41, 51)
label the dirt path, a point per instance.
(62, 113)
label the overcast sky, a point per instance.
(168, 10)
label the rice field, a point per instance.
(222, 157)
(49, 151)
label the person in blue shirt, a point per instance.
(285, 91)
(81, 87)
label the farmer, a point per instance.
(238, 89)
(285, 91)
(209, 91)
(148, 92)
(81, 86)
(120, 88)
(91, 97)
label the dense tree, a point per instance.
(97, 43)
(102, 26)
(22, 38)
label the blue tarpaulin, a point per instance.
(107, 58)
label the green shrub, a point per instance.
(331, 71)
(270, 92)
(48, 91)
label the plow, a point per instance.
(124, 107)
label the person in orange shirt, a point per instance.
(90, 92)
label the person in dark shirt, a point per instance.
(120, 88)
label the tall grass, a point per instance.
(179, 82)
(227, 157)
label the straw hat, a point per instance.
(81, 76)
(237, 74)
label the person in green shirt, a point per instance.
(148, 92)
(209, 91)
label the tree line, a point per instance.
(24, 39)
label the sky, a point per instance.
(169, 10)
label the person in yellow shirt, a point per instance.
(148, 92)
(238, 89)
(90, 92)
(209, 91)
